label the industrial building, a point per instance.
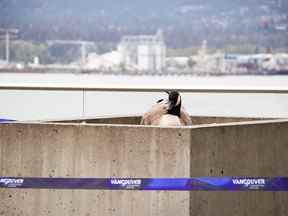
(143, 52)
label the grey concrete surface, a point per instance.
(254, 148)
(240, 150)
(93, 151)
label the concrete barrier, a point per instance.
(256, 148)
(240, 149)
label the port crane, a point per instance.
(9, 33)
(82, 44)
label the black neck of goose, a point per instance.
(175, 110)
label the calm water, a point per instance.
(39, 105)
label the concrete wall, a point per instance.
(93, 151)
(240, 150)
(73, 150)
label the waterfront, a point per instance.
(39, 105)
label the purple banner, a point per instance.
(177, 184)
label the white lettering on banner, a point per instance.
(11, 182)
(249, 182)
(126, 182)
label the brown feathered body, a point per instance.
(158, 115)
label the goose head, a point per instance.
(174, 103)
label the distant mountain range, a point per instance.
(184, 22)
(18, 12)
(113, 8)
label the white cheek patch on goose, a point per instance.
(178, 100)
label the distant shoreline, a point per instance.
(137, 73)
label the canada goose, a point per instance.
(167, 112)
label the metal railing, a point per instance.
(139, 88)
(146, 88)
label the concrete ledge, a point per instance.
(135, 120)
